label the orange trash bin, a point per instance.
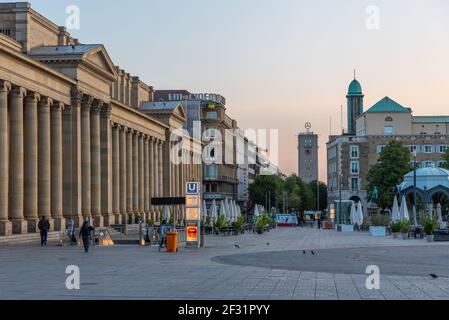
(172, 241)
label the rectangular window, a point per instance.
(211, 115)
(428, 149)
(210, 171)
(380, 149)
(355, 169)
(354, 152)
(388, 130)
(412, 148)
(442, 148)
(355, 184)
(441, 164)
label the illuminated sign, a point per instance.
(192, 201)
(193, 214)
(192, 234)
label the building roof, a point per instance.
(76, 50)
(388, 105)
(355, 88)
(426, 179)
(160, 105)
(430, 119)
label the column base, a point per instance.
(19, 226)
(124, 218)
(32, 225)
(98, 221)
(118, 218)
(59, 224)
(5, 228)
(130, 218)
(108, 219)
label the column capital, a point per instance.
(76, 95)
(18, 91)
(106, 110)
(57, 106)
(5, 86)
(96, 106)
(33, 96)
(130, 130)
(45, 102)
(86, 102)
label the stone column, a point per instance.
(129, 174)
(146, 163)
(151, 175)
(135, 160)
(123, 173)
(155, 174)
(106, 164)
(86, 201)
(141, 176)
(160, 169)
(16, 214)
(95, 164)
(56, 166)
(116, 196)
(5, 224)
(44, 157)
(30, 161)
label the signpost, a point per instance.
(193, 213)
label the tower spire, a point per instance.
(354, 75)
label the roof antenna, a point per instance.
(354, 75)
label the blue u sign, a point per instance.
(192, 187)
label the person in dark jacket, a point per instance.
(85, 233)
(44, 226)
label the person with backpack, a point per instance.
(85, 233)
(44, 227)
(164, 229)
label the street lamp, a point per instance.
(415, 221)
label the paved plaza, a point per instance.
(268, 266)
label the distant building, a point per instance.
(351, 155)
(308, 156)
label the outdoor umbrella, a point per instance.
(223, 209)
(359, 219)
(439, 214)
(234, 213)
(204, 211)
(166, 214)
(395, 213)
(213, 211)
(353, 213)
(256, 211)
(226, 209)
(404, 211)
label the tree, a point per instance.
(299, 194)
(323, 194)
(445, 164)
(393, 164)
(262, 187)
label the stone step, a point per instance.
(27, 238)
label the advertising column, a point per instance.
(193, 204)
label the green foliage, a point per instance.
(171, 220)
(221, 222)
(379, 220)
(396, 227)
(208, 221)
(261, 187)
(323, 194)
(150, 222)
(393, 164)
(262, 221)
(239, 223)
(429, 224)
(405, 226)
(445, 164)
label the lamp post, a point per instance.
(415, 221)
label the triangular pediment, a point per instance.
(100, 58)
(179, 112)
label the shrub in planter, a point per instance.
(261, 222)
(405, 228)
(150, 222)
(430, 224)
(238, 225)
(396, 229)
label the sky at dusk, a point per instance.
(278, 63)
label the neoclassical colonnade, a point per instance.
(137, 167)
(31, 177)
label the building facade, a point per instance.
(351, 155)
(74, 143)
(308, 156)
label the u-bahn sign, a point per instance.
(193, 213)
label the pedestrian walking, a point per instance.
(320, 219)
(44, 227)
(85, 234)
(164, 229)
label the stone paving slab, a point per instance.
(132, 272)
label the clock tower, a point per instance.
(308, 155)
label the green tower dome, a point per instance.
(355, 89)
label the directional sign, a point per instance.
(192, 214)
(193, 188)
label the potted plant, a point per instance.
(405, 229)
(150, 222)
(396, 229)
(430, 225)
(378, 225)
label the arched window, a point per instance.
(388, 119)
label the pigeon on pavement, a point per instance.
(237, 246)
